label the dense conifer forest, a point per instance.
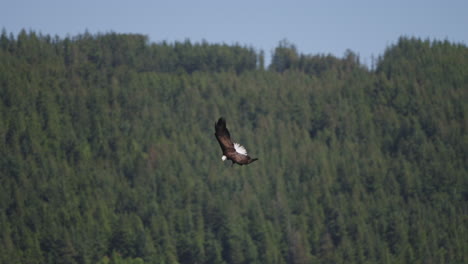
(108, 154)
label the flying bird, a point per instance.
(231, 151)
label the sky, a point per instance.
(365, 27)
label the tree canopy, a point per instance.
(108, 154)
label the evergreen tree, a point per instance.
(107, 153)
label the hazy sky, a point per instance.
(366, 27)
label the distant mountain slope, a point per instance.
(108, 154)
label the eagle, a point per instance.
(231, 151)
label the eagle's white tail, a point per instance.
(240, 149)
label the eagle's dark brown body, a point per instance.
(231, 151)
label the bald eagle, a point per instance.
(232, 151)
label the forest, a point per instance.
(108, 154)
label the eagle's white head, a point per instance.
(223, 158)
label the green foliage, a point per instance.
(107, 153)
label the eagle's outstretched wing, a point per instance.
(223, 136)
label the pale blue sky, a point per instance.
(366, 27)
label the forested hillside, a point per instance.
(108, 154)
